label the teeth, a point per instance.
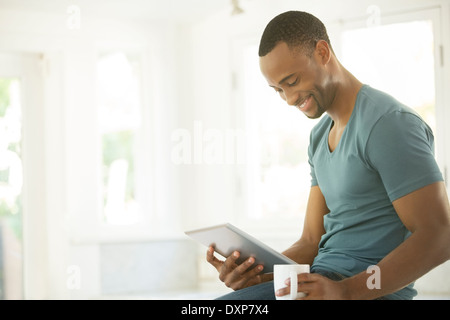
(303, 104)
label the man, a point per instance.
(377, 195)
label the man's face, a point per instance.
(301, 81)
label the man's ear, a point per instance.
(323, 52)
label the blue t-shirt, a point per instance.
(385, 152)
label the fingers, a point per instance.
(230, 263)
(306, 283)
(259, 278)
(242, 274)
(236, 276)
(212, 259)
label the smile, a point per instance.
(302, 106)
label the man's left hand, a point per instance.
(317, 287)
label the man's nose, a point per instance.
(290, 97)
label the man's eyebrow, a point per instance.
(286, 78)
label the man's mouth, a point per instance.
(303, 104)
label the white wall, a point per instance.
(188, 79)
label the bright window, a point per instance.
(119, 105)
(398, 59)
(376, 55)
(11, 181)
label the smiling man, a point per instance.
(377, 196)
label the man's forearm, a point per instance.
(420, 253)
(302, 252)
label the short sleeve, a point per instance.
(400, 148)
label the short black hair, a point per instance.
(298, 29)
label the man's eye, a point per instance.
(293, 83)
(278, 90)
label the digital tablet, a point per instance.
(227, 238)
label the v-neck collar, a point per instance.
(327, 142)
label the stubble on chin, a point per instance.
(319, 111)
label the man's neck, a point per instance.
(345, 98)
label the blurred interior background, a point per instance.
(125, 123)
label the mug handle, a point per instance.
(294, 284)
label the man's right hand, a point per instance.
(237, 276)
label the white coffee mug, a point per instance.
(282, 272)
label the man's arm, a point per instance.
(303, 251)
(426, 213)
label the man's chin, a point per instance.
(317, 112)
(316, 115)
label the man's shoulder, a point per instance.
(373, 104)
